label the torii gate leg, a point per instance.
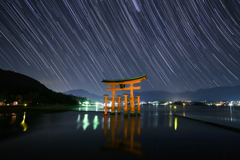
(138, 102)
(125, 105)
(119, 104)
(132, 108)
(105, 108)
(113, 100)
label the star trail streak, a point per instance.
(182, 45)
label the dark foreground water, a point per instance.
(157, 134)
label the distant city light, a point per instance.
(85, 103)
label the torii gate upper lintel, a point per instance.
(122, 83)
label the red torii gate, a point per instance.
(122, 83)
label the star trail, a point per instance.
(182, 45)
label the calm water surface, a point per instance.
(157, 134)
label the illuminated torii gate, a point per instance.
(122, 83)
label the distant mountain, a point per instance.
(156, 96)
(18, 87)
(211, 94)
(83, 93)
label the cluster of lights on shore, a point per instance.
(156, 103)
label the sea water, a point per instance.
(160, 132)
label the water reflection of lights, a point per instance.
(184, 111)
(155, 121)
(85, 122)
(170, 116)
(95, 122)
(175, 124)
(170, 120)
(231, 112)
(127, 144)
(78, 119)
(13, 118)
(23, 124)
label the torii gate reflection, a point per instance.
(127, 144)
(122, 83)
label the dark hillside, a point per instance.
(24, 89)
(15, 81)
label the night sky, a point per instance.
(182, 45)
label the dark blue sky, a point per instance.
(182, 45)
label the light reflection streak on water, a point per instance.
(13, 118)
(231, 112)
(175, 124)
(109, 123)
(23, 124)
(85, 122)
(95, 122)
(78, 121)
(184, 111)
(102, 122)
(170, 120)
(149, 122)
(170, 116)
(156, 120)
